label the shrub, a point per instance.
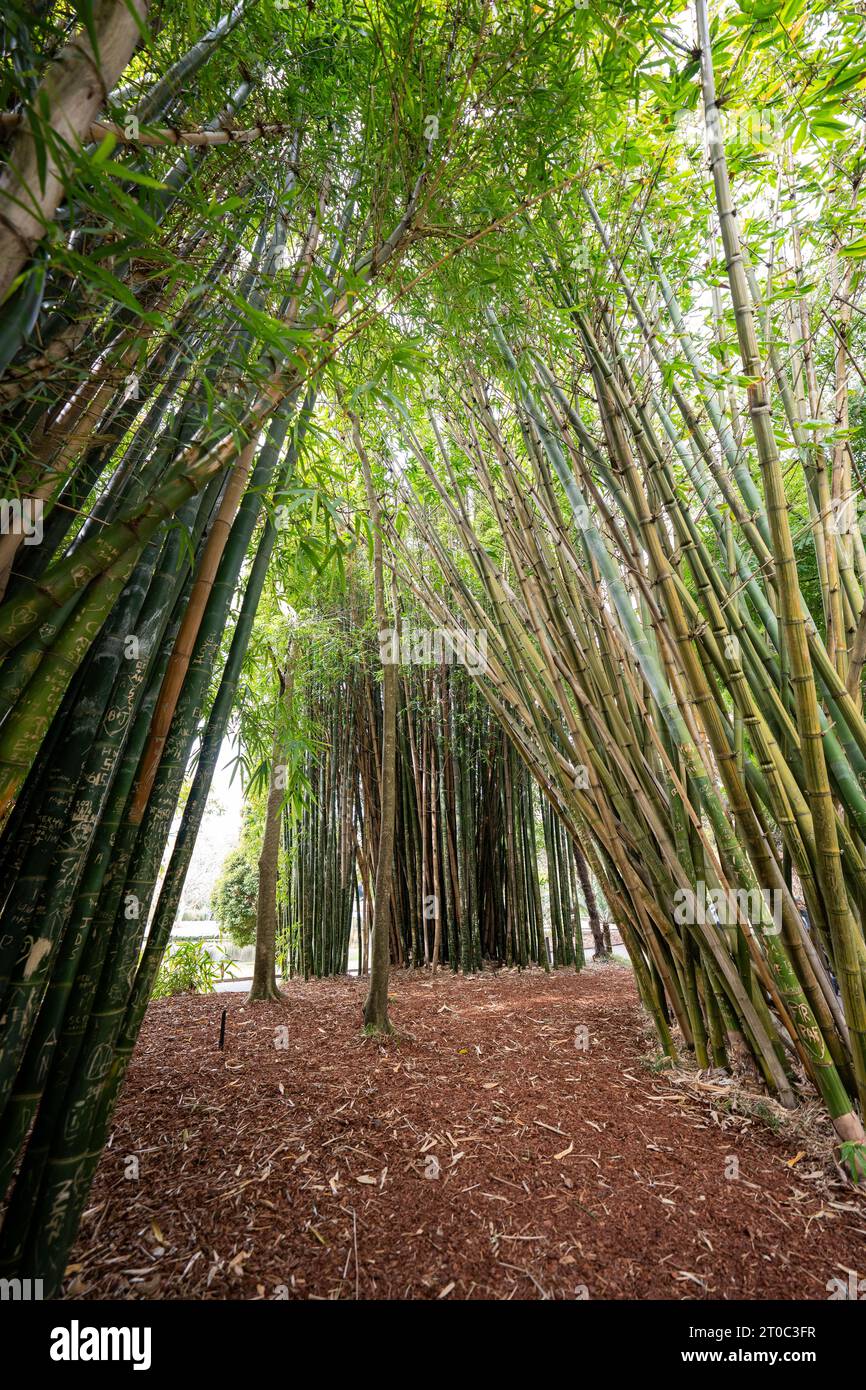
(187, 968)
(234, 898)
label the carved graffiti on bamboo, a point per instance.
(59, 1206)
(45, 1055)
(99, 1063)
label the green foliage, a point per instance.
(853, 1160)
(189, 968)
(234, 898)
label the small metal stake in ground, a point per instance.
(223, 1029)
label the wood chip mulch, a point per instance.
(479, 1154)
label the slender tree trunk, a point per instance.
(601, 951)
(376, 1004)
(264, 984)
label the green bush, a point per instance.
(233, 901)
(187, 968)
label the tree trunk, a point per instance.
(376, 1003)
(264, 985)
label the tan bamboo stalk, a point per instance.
(178, 663)
(607, 834)
(843, 495)
(167, 135)
(809, 970)
(858, 658)
(60, 439)
(707, 711)
(75, 86)
(830, 876)
(506, 610)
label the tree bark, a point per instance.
(376, 1004)
(264, 984)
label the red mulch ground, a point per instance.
(299, 1171)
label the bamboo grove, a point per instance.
(467, 888)
(546, 321)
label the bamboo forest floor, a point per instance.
(298, 1171)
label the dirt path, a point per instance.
(300, 1164)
